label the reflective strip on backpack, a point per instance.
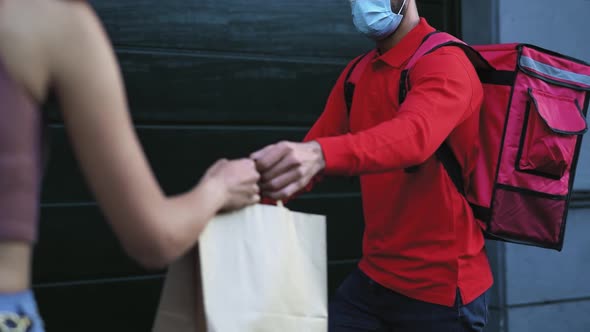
(554, 72)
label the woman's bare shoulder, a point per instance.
(34, 32)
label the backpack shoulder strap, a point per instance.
(431, 43)
(444, 153)
(353, 76)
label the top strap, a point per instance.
(432, 42)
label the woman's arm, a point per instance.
(153, 228)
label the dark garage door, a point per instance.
(206, 79)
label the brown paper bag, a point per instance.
(262, 269)
(181, 302)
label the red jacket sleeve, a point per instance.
(444, 91)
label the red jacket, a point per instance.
(420, 239)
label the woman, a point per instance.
(61, 45)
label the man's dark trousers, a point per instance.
(360, 304)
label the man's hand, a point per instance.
(287, 167)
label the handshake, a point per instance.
(277, 171)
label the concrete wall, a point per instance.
(540, 290)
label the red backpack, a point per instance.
(531, 127)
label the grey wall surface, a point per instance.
(540, 290)
(480, 24)
(547, 290)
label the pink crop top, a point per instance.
(20, 161)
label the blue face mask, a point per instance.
(375, 18)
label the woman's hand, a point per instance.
(237, 180)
